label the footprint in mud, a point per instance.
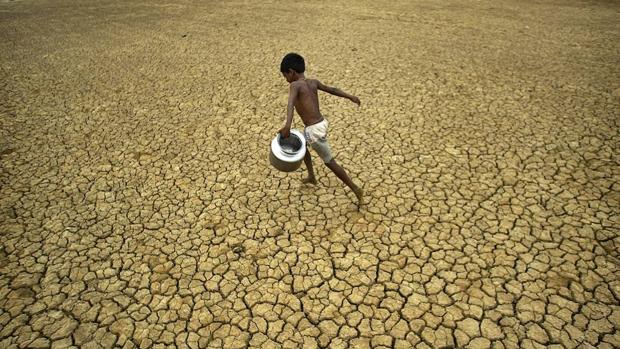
(238, 248)
(7, 151)
(559, 281)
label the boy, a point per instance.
(303, 97)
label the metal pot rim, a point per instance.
(280, 154)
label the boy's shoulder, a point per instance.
(305, 82)
(313, 82)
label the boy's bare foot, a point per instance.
(359, 193)
(309, 180)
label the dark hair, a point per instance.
(293, 61)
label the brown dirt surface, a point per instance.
(138, 208)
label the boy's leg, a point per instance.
(342, 174)
(308, 161)
(322, 147)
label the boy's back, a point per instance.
(307, 101)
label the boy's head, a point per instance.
(292, 63)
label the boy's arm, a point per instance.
(292, 97)
(337, 92)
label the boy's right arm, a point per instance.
(337, 92)
(292, 97)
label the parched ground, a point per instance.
(138, 209)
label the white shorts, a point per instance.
(316, 137)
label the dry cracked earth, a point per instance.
(138, 209)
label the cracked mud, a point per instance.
(138, 209)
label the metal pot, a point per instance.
(287, 154)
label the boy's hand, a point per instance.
(355, 100)
(285, 132)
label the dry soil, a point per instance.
(138, 209)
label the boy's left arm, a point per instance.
(292, 97)
(338, 92)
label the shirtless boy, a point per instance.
(303, 97)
